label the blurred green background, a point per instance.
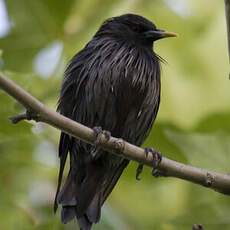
(38, 37)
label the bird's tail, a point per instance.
(84, 200)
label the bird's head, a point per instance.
(133, 28)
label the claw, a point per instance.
(139, 171)
(99, 133)
(107, 135)
(148, 150)
(157, 173)
(157, 157)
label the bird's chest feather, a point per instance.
(124, 82)
(123, 70)
(129, 74)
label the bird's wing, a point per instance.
(63, 152)
(70, 100)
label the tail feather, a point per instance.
(112, 180)
(82, 200)
(67, 214)
(94, 210)
(87, 185)
(67, 195)
(84, 223)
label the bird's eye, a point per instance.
(136, 28)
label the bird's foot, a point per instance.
(157, 157)
(156, 161)
(100, 133)
(102, 136)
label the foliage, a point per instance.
(192, 126)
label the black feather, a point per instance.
(114, 82)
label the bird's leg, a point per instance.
(102, 136)
(157, 157)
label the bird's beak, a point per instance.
(159, 34)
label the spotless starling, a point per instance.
(112, 84)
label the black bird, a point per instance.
(112, 83)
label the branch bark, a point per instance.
(170, 168)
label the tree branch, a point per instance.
(39, 112)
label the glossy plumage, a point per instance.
(114, 83)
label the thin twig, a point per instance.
(18, 118)
(28, 115)
(217, 181)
